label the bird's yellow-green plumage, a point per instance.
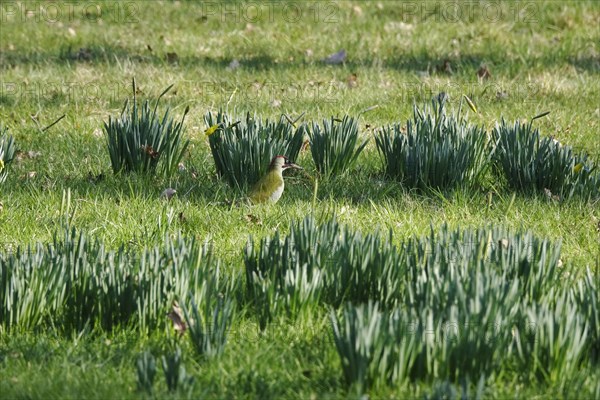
(270, 187)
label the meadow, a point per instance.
(370, 276)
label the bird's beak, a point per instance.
(290, 164)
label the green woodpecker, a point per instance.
(270, 187)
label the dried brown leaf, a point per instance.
(352, 81)
(445, 67)
(551, 196)
(172, 58)
(484, 73)
(253, 219)
(168, 193)
(150, 151)
(176, 316)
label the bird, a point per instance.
(269, 188)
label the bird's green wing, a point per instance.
(265, 187)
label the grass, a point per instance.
(542, 56)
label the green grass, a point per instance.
(543, 58)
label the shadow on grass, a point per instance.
(202, 189)
(417, 60)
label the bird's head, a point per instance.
(282, 162)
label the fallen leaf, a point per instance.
(84, 54)
(370, 108)
(352, 81)
(442, 96)
(176, 316)
(253, 219)
(483, 72)
(336, 58)
(398, 26)
(95, 178)
(150, 151)
(172, 58)
(550, 195)
(72, 31)
(168, 193)
(21, 155)
(446, 67)
(233, 65)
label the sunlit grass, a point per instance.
(542, 56)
